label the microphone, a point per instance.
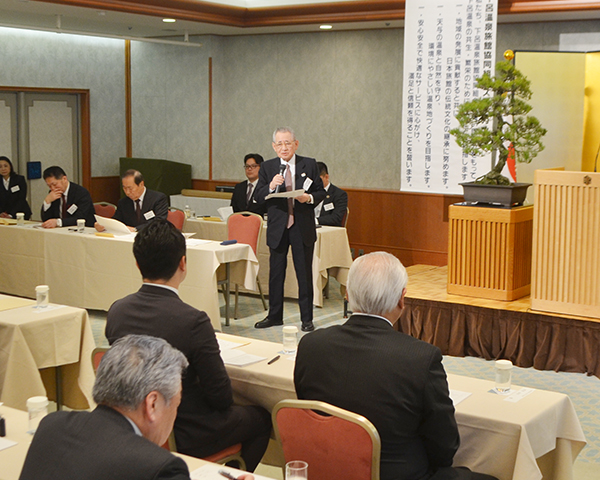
(281, 172)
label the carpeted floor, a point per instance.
(584, 391)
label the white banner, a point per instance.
(448, 44)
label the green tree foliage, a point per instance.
(504, 106)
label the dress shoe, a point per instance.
(308, 327)
(267, 322)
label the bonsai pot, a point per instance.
(512, 195)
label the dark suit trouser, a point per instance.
(303, 257)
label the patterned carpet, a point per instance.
(584, 391)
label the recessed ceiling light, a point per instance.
(326, 27)
(169, 20)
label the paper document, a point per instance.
(210, 471)
(519, 395)
(113, 226)
(224, 212)
(6, 443)
(228, 344)
(239, 358)
(192, 242)
(457, 396)
(292, 194)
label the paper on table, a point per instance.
(6, 443)
(113, 226)
(47, 309)
(210, 471)
(292, 194)
(192, 242)
(239, 358)
(228, 344)
(457, 396)
(519, 394)
(224, 212)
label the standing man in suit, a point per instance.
(66, 202)
(140, 205)
(207, 421)
(137, 389)
(394, 380)
(332, 210)
(243, 199)
(291, 222)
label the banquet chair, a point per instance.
(229, 454)
(339, 444)
(245, 227)
(176, 217)
(105, 209)
(345, 218)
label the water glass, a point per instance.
(37, 408)
(290, 339)
(42, 295)
(20, 219)
(503, 376)
(296, 470)
(80, 225)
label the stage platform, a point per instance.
(467, 326)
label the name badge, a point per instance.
(149, 215)
(328, 206)
(307, 184)
(15, 189)
(72, 209)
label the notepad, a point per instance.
(239, 358)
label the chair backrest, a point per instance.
(176, 217)
(245, 227)
(97, 355)
(345, 217)
(105, 209)
(340, 445)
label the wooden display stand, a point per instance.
(489, 251)
(566, 244)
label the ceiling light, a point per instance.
(169, 20)
(326, 27)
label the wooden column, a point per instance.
(489, 252)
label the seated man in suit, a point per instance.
(242, 199)
(137, 389)
(207, 421)
(332, 210)
(66, 202)
(140, 205)
(393, 379)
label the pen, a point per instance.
(227, 475)
(273, 360)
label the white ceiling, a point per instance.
(48, 16)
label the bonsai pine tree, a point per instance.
(504, 106)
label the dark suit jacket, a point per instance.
(155, 201)
(396, 381)
(339, 200)
(14, 199)
(277, 209)
(207, 390)
(238, 200)
(97, 445)
(77, 196)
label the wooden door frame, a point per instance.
(84, 115)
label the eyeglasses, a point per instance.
(251, 167)
(282, 144)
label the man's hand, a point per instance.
(99, 227)
(52, 223)
(5, 215)
(131, 229)
(53, 195)
(277, 180)
(305, 197)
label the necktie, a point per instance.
(249, 194)
(138, 211)
(288, 188)
(64, 207)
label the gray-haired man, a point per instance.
(138, 390)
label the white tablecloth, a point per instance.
(518, 441)
(331, 256)
(200, 205)
(89, 271)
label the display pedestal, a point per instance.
(489, 251)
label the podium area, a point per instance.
(467, 326)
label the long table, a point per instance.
(33, 342)
(332, 256)
(539, 436)
(89, 271)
